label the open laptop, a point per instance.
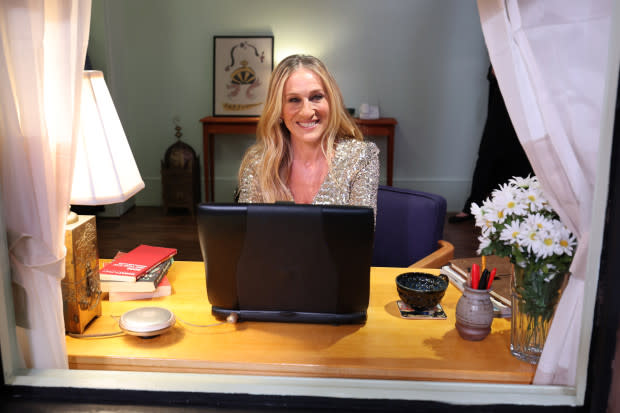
(287, 262)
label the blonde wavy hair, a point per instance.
(273, 140)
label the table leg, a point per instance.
(207, 153)
(205, 157)
(211, 167)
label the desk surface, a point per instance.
(386, 347)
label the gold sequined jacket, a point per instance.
(352, 179)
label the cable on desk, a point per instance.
(100, 335)
(231, 319)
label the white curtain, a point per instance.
(550, 59)
(42, 53)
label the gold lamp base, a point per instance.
(81, 295)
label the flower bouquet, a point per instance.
(516, 221)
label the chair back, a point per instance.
(408, 227)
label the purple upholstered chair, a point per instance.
(409, 229)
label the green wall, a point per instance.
(423, 61)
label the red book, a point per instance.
(146, 283)
(132, 265)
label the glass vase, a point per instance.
(534, 298)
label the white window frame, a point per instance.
(447, 392)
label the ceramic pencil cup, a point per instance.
(474, 314)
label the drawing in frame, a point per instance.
(242, 66)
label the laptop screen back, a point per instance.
(287, 262)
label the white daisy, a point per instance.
(478, 213)
(529, 235)
(537, 247)
(484, 242)
(510, 204)
(547, 207)
(487, 218)
(511, 233)
(539, 221)
(488, 229)
(565, 241)
(501, 200)
(519, 181)
(534, 199)
(547, 245)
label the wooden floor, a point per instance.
(177, 229)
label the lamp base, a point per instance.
(81, 295)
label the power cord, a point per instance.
(231, 319)
(102, 335)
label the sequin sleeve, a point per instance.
(249, 189)
(365, 183)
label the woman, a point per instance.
(308, 148)
(500, 154)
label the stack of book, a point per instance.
(138, 274)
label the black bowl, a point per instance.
(420, 289)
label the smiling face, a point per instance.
(305, 111)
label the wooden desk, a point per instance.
(214, 125)
(386, 347)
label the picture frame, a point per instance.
(242, 66)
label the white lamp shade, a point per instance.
(105, 171)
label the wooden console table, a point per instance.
(214, 125)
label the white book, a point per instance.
(163, 289)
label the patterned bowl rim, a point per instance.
(442, 277)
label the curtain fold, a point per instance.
(550, 59)
(42, 53)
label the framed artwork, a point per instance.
(241, 70)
